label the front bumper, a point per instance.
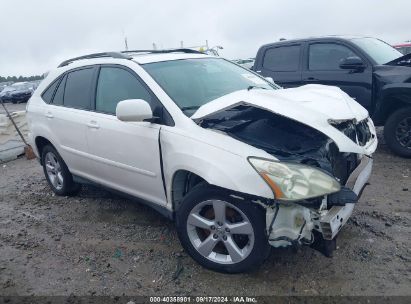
(332, 220)
(292, 223)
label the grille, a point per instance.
(359, 133)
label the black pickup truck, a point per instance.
(368, 69)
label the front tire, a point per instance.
(57, 174)
(397, 132)
(220, 232)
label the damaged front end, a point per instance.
(314, 184)
(317, 221)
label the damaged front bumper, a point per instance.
(332, 220)
(296, 224)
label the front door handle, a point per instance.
(311, 79)
(93, 125)
(49, 114)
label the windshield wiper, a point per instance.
(189, 108)
(255, 87)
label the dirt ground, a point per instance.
(100, 244)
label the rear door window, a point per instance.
(58, 97)
(48, 94)
(282, 58)
(327, 56)
(78, 89)
(117, 84)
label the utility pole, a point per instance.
(125, 43)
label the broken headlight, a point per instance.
(293, 182)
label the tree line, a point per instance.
(20, 78)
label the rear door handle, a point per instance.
(311, 79)
(93, 125)
(49, 115)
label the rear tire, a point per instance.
(236, 236)
(57, 174)
(397, 132)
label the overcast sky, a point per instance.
(36, 35)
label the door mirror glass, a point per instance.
(134, 110)
(352, 63)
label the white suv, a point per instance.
(239, 163)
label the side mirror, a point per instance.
(134, 110)
(352, 63)
(269, 79)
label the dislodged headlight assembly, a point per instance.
(293, 182)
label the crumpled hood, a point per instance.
(313, 105)
(387, 74)
(403, 60)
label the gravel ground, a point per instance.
(100, 244)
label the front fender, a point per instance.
(218, 167)
(391, 97)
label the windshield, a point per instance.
(192, 83)
(378, 50)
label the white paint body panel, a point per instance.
(219, 159)
(125, 156)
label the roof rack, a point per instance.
(123, 54)
(189, 51)
(119, 55)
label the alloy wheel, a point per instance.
(403, 132)
(54, 171)
(220, 232)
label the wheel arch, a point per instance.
(41, 142)
(182, 182)
(393, 97)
